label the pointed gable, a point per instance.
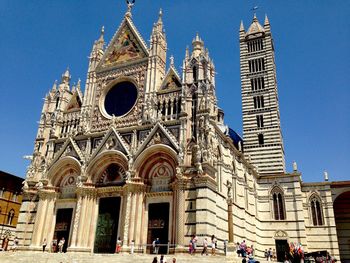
(159, 135)
(69, 148)
(112, 141)
(126, 45)
(171, 81)
(74, 103)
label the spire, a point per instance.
(187, 53)
(54, 86)
(66, 76)
(254, 18)
(267, 22)
(160, 21)
(255, 27)
(241, 27)
(197, 45)
(78, 84)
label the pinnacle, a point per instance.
(241, 27)
(267, 22)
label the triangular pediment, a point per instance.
(171, 81)
(159, 135)
(126, 46)
(111, 141)
(74, 103)
(69, 148)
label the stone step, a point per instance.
(38, 257)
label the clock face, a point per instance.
(120, 99)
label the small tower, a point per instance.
(157, 57)
(261, 117)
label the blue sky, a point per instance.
(40, 38)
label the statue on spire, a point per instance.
(130, 4)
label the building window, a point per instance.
(258, 102)
(14, 197)
(316, 210)
(255, 45)
(261, 139)
(11, 215)
(2, 192)
(256, 65)
(257, 83)
(278, 204)
(260, 121)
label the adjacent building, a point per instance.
(144, 152)
(10, 203)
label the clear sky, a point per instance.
(40, 38)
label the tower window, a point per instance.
(256, 65)
(261, 139)
(257, 83)
(255, 45)
(258, 102)
(260, 121)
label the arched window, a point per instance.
(278, 204)
(11, 215)
(316, 210)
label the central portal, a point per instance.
(107, 225)
(158, 225)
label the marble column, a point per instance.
(180, 220)
(231, 245)
(46, 198)
(126, 216)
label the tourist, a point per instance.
(252, 260)
(225, 247)
(253, 251)
(194, 243)
(155, 260)
(132, 246)
(15, 244)
(274, 258)
(118, 247)
(54, 245)
(61, 244)
(213, 245)
(269, 254)
(162, 259)
(190, 246)
(156, 246)
(249, 251)
(243, 248)
(44, 244)
(205, 247)
(266, 254)
(174, 260)
(238, 250)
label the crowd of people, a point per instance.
(162, 259)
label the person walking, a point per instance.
(205, 247)
(61, 244)
(157, 243)
(194, 243)
(44, 244)
(118, 247)
(213, 245)
(132, 246)
(155, 260)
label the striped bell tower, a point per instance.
(263, 142)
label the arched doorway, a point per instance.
(342, 220)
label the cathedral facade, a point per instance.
(144, 153)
